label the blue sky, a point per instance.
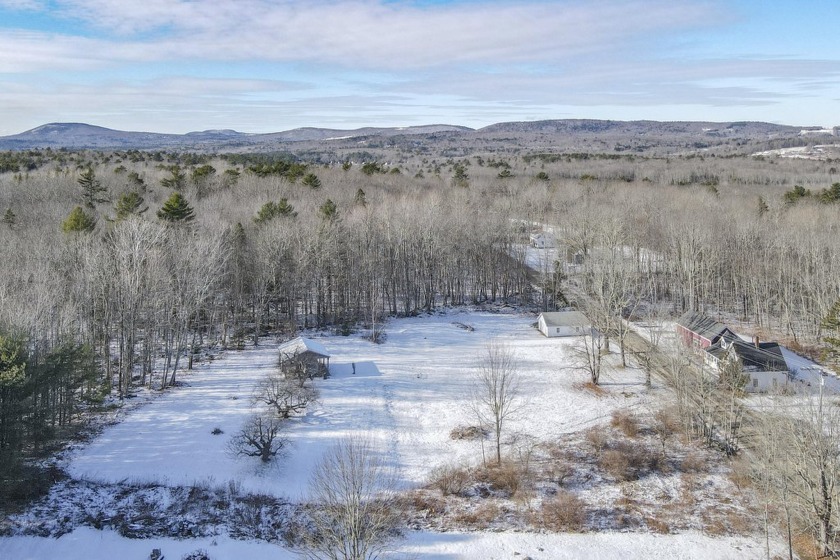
(270, 65)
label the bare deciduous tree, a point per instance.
(352, 515)
(260, 437)
(496, 390)
(286, 396)
(590, 355)
(815, 468)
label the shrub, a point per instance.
(694, 462)
(626, 422)
(596, 438)
(467, 432)
(424, 502)
(616, 464)
(558, 471)
(667, 422)
(450, 479)
(505, 478)
(479, 518)
(592, 388)
(564, 512)
(625, 462)
(739, 473)
(658, 525)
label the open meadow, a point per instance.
(406, 396)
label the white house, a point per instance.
(542, 240)
(564, 323)
(762, 362)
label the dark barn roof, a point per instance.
(767, 356)
(703, 325)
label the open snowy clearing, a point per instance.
(90, 544)
(406, 396)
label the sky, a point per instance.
(270, 65)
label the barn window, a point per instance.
(558, 329)
(755, 382)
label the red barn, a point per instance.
(699, 332)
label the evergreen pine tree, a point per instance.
(762, 206)
(271, 210)
(78, 222)
(176, 209)
(831, 194)
(9, 218)
(266, 213)
(312, 181)
(177, 179)
(328, 211)
(360, 199)
(129, 204)
(136, 181)
(460, 178)
(285, 209)
(229, 178)
(92, 188)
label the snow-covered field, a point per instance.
(406, 396)
(819, 152)
(90, 544)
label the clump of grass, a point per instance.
(467, 433)
(565, 512)
(591, 388)
(505, 478)
(626, 422)
(450, 479)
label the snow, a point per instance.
(90, 544)
(302, 344)
(808, 374)
(170, 441)
(541, 260)
(405, 396)
(818, 152)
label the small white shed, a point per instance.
(564, 323)
(304, 355)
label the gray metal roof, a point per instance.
(703, 325)
(566, 319)
(766, 357)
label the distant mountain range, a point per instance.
(81, 136)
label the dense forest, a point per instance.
(122, 268)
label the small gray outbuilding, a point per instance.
(564, 323)
(304, 356)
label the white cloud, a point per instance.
(22, 5)
(28, 52)
(375, 34)
(375, 62)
